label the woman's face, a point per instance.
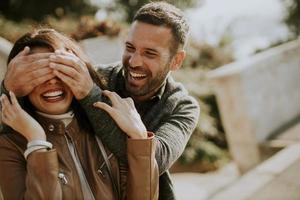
(52, 97)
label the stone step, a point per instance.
(276, 178)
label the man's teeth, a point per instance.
(53, 93)
(136, 75)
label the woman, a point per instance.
(48, 150)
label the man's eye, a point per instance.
(129, 48)
(150, 54)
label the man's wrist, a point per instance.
(85, 93)
(93, 96)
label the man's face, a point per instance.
(146, 59)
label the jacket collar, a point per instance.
(56, 126)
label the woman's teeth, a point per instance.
(53, 94)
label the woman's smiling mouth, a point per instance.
(53, 95)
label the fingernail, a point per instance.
(58, 51)
(52, 56)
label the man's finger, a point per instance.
(37, 56)
(37, 64)
(38, 73)
(66, 79)
(70, 60)
(42, 79)
(69, 71)
(24, 52)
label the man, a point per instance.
(154, 47)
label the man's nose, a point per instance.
(135, 60)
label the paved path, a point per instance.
(197, 186)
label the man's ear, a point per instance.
(178, 60)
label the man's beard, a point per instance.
(151, 85)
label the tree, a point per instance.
(131, 6)
(38, 10)
(293, 17)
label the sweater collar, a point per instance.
(66, 118)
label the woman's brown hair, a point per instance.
(49, 38)
(54, 40)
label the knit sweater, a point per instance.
(171, 114)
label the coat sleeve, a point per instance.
(142, 177)
(34, 179)
(171, 135)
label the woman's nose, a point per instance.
(53, 80)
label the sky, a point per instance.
(251, 24)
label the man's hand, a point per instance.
(124, 114)
(25, 72)
(72, 71)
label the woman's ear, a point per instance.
(178, 60)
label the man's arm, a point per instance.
(103, 125)
(172, 134)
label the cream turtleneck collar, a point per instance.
(66, 118)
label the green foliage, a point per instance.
(77, 28)
(37, 9)
(206, 56)
(12, 30)
(131, 6)
(89, 27)
(207, 143)
(293, 17)
(203, 150)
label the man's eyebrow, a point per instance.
(128, 43)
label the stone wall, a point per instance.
(103, 50)
(257, 97)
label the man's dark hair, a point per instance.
(165, 14)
